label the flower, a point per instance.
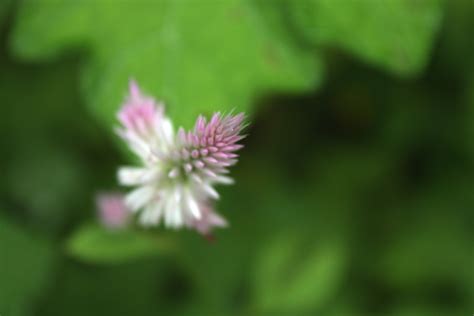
(176, 179)
(112, 210)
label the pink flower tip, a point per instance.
(133, 88)
(208, 221)
(139, 112)
(112, 211)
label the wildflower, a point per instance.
(112, 210)
(176, 179)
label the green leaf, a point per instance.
(46, 176)
(435, 245)
(46, 184)
(425, 310)
(292, 275)
(198, 57)
(470, 112)
(95, 244)
(5, 5)
(133, 288)
(25, 263)
(394, 34)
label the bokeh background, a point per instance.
(353, 195)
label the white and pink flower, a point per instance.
(176, 179)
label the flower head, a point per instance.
(175, 183)
(144, 126)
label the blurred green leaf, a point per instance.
(47, 184)
(470, 117)
(95, 244)
(292, 275)
(4, 7)
(394, 34)
(196, 56)
(134, 288)
(435, 245)
(426, 251)
(419, 310)
(456, 40)
(46, 179)
(427, 255)
(25, 264)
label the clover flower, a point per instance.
(178, 172)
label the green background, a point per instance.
(354, 193)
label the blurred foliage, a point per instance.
(4, 7)
(25, 268)
(195, 67)
(95, 244)
(396, 34)
(353, 194)
(287, 280)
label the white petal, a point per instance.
(192, 204)
(152, 213)
(145, 218)
(156, 212)
(169, 208)
(224, 180)
(168, 130)
(135, 176)
(178, 211)
(177, 217)
(210, 190)
(164, 135)
(138, 145)
(196, 178)
(139, 197)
